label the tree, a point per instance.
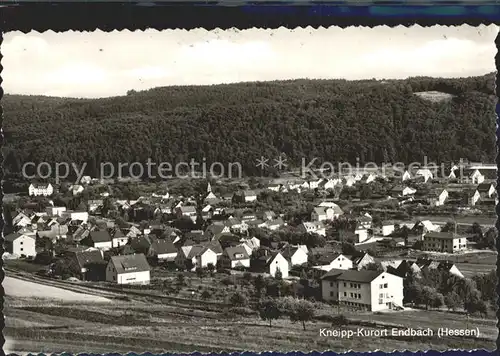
(188, 265)
(437, 300)
(211, 268)
(302, 311)
(269, 310)
(487, 284)
(452, 301)
(238, 299)
(200, 272)
(181, 280)
(348, 248)
(205, 295)
(259, 283)
(278, 275)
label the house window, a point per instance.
(21, 249)
(114, 278)
(345, 294)
(331, 284)
(21, 243)
(331, 294)
(385, 285)
(345, 285)
(381, 286)
(340, 265)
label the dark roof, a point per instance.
(363, 276)
(87, 257)
(441, 235)
(100, 236)
(236, 253)
(484, 187)
(115, 233)
(130, 263)
(12, 237)
(163, 246)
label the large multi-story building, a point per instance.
(448, 242)
(369, 290)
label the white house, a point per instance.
(21, 220)
(349, 181)
(250, 245)
(39, 189)
(476, 177)
(20, 244)
(128, 269)
(187, 211)
(315, 227)
(368, 290)
(486, 190)
(406, 176)
(76, 215)
(385, 229)
(425, 173)
(370, 178)
(361, 233)
(234, 257)
(76, 189)
(277, 262)
(321, 213)
(163, 249)
(339, 262)
(100, 239)
(295, 254)
(201, 256)
(362, 261)
(408, 191)
(474, 198)
(55, 210)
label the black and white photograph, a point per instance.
(250, 190)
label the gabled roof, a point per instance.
(236, 253)
(100, 236)
(161, 246)
(14, 236)
(87, 257)
(130, 263)
(441, 235)
(363, 276)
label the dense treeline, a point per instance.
(334, 120)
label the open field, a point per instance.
(159, 324)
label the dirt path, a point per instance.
(20, 288)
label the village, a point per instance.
(357, 244)
(344, 234)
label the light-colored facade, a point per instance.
(339, 262)
(128, 269)
(55, 210)
(370, 290)
(384, 230)
(278, 263)
(444, 242)
(40, 190)
(21, 244)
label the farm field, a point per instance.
(158, 325)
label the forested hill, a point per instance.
(334, 120)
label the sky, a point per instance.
(99, 64)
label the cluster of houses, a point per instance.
(104, 250)
(348, 282)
